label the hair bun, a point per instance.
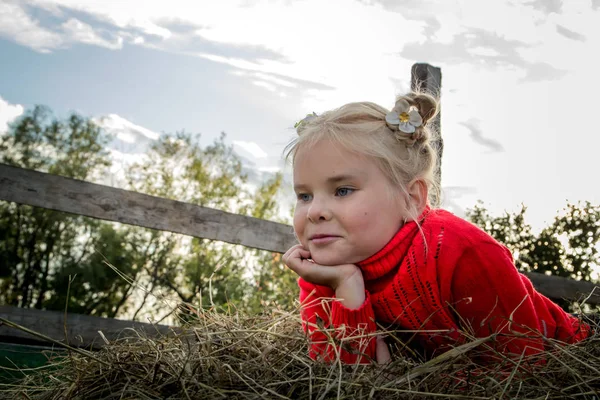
(411, 126)
(425, 103)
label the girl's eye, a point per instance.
(342, 192)
(305, 197)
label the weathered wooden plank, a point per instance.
(103, 202)
(82, 330)
(84, 198)
(557, 287)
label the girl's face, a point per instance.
(346, 208)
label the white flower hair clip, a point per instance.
(404, 117)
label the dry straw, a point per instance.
(232, 356)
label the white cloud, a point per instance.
(124, 129)
(271, 169)
(332, 51)
(130, 147)
(484, 51)
(275, 80)
(80, 32)
(137, 14)
(251, 148)
(8, 113)
(354, 48)
(122, 161)
(269, 86)
(15, 24)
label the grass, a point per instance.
(235, 356)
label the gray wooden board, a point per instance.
(557, 287)
(103, 202)
(81, 330)
(78, 197)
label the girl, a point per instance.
(371, 241)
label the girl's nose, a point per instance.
(318, 211)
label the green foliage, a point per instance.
(275, 284)
(95, 289)
(73, 148)
(35, 242)
(568, 247)
(113, 270)
(207, 273)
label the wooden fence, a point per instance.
(111, 204)
(74, 329)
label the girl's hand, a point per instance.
(298, 260)
(383, 355)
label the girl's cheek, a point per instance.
(299, 226)
(365, 221)
(298, 219)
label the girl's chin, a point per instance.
(329, 260)
(332, 256)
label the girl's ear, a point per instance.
(418, 195)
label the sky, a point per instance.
(519, 80)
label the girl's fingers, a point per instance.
(294, 251)
(303, 253)
(295, 256)
(298, 260)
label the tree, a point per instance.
(568, 247)
(52, 259)
(34, 243)
(274, 284)
(200, 271)
(92, 287)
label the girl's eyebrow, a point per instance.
(299, 187)
(355, 175)
(344, 177)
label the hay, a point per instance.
(223, 356)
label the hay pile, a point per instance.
(238, 357)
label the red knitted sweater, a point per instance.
(447, 277)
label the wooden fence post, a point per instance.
(427, 78)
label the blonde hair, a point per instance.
(361, 128)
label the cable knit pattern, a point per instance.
(445, 277)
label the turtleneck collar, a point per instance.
(390, 256)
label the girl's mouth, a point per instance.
(323, 239)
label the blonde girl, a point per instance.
(371, 240)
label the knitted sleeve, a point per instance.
(490, 297)
(334, 330)
(554, 322)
